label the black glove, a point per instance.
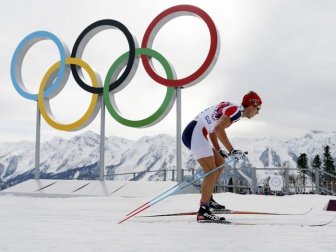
(223, 153)
(237, 154)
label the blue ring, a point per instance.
(19, 50)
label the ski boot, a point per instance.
(204, 215)
(215, 207)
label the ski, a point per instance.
(323, 224)
(225, 222)
(226, 211)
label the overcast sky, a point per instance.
(283, 49)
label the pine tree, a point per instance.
(328, 165)
(302, 164)
(316, 165)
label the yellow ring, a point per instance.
(89, 114)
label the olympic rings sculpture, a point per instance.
(56, 77)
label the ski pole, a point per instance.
(170, 189)
(174, 188)
(167, 194)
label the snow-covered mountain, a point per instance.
(78, 157)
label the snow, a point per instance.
(90, 224)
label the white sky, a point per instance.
(283, 49)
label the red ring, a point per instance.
(187, 81)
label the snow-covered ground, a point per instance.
(90, 224)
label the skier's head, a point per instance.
(251, 98)
(251, 103)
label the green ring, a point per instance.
(164, 108)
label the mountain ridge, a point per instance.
(78, 157)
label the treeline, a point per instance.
(321, 170)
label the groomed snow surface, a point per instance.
(90, 224)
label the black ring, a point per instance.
(130, 61)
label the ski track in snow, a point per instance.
(90, 224)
